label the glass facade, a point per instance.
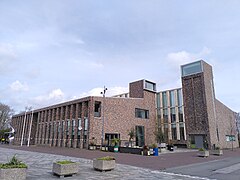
(170, 114)
(192, 68)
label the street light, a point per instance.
(24, 122)
(103, 93)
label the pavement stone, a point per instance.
(40, 167)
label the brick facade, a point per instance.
(203, 112)
(58, 125)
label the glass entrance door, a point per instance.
(140, 140)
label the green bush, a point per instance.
(154, 145)
(192, 146)
(201, 149)
(64, 162)
(13, 163)
(106, 158)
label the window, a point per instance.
(172, 99)
(140, 141)
(179, 97)
(97, 109)
(141, 113)
(230, 138)
(180, 114)
(173, 115)
(174, 132)
(165, 115)
(182, 135)
(158, 100)
(191, 68)
(164, 99)
(150, 86)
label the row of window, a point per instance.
(171, 101)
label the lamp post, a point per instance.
(103, 93)
(30, 129)
(24, 122)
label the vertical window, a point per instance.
(172, 99)
(164, 99)
(173, 115)
(140, 141)
(159, 114)
(174, 132)
(179, 97)
(141, 113)
(79, 132)
(180, 114)
(182, 136)
(166, 130)
(85, 124)
(158, 100)
(165, 115)
(97, 109)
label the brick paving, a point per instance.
(129, 166)
(40, 167)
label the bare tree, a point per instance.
(5, 115)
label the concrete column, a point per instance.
(65, 127)
(37, 129)
(70, 127)
(75, 127)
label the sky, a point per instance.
(53, 51)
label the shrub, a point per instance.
(154, 145)
(201, 149)
(64, 162)
(192, 146)
(106, 158)
(13, 163)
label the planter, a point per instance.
(151, 151)
(13, 173)
(155, 151)
(217, 152)
(146, 152)
(170, 147)
(65, 169)
(92, 147)
(103, 148)
(103, 165)
(130, 150)
(203, 153)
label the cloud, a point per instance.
(7, 55)
(97, 92)
(182, 57)
(56, 94)
(87, 64)
(18, 86)
(53, 97)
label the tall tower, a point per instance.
(199, 104)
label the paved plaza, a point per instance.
(40, 167)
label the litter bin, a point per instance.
(170, 147)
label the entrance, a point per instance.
(198, 140)
(110, 136)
